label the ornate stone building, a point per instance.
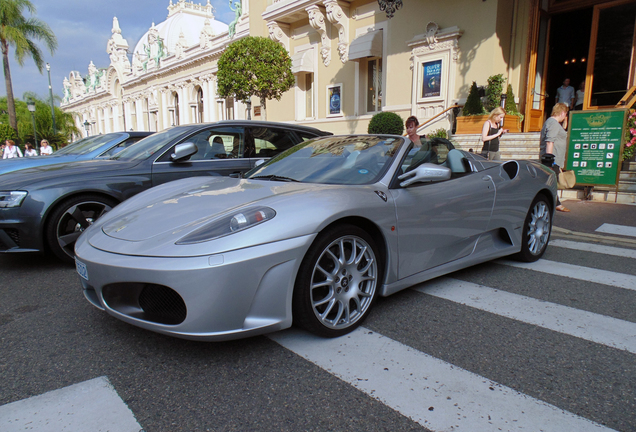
(351, 61)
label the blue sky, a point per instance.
(82, 28)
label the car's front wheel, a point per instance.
(70, 218)
(536, 230)
(337, 282)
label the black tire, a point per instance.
(536, 230)
(70, 218)
(345, 284)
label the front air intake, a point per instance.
(162, 304)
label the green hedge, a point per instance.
(386, 123)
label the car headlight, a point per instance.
(12, 198)
(230, 224)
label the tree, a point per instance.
(255, 66)
(65, 122)
(21, 33)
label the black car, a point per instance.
(47, 208)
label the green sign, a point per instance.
(594, 146)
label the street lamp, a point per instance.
(48, 70)
(31, 107)
(86, 126)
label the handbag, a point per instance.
(566, 180)
(484, 149)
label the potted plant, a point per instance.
(386, 122)
(473, 114)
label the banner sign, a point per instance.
(432, 79)
(594, 146)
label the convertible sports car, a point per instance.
(93, 147)
(312, 236)
(47, 208)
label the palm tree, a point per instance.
(21, 33)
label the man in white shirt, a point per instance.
(11, 150)
(45, 148)
(565, 94)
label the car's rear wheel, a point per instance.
(536, 230)
(337, 282)
(70, 219)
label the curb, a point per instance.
(594, 238)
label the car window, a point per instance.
(269, 142)
(433, 151)
(152, 144)
(218, 143)
(121, 146)
(89, 144)
(332, 160)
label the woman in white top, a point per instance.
(29, 151)
(11, 150)
(580, 95)
(45, 148)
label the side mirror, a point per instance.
(183, 152)
(425, 173)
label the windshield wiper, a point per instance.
(274, 177)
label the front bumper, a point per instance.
(226, 296)
(19, 233)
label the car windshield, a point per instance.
(148, 146)
(343, 160)
(87, 145)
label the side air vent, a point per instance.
(511, 168)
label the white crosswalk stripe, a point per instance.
(572, 271)
(596, 248)
(90, 406)
(590, 326)
(617, 229)
(434, 393)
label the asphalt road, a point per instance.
(51, 338)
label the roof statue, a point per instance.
(155, 48)
(206, 36)
(181, 46)
(67, 90)
(237, 15)
(93, 79)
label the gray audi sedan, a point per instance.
(310, 237)
(48, 207)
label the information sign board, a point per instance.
(594, 146)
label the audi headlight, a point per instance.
(12, 198)
(229, 224)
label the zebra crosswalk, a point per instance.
(434, 392)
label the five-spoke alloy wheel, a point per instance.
(337, 282)
(70, 219)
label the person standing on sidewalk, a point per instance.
(490, 133)
(553, 144)
(11, 150)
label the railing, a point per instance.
(420, 127)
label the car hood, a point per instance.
(154, 222)
(60, 172)
(10, 165)
(183, 206)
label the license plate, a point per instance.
(81, 269)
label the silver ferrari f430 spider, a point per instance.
(310, 237)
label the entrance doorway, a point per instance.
(591, 42)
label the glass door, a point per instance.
(610, 71)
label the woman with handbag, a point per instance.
(490, 134)
(553, 144)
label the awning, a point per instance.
(303, 62)
(367, 45)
